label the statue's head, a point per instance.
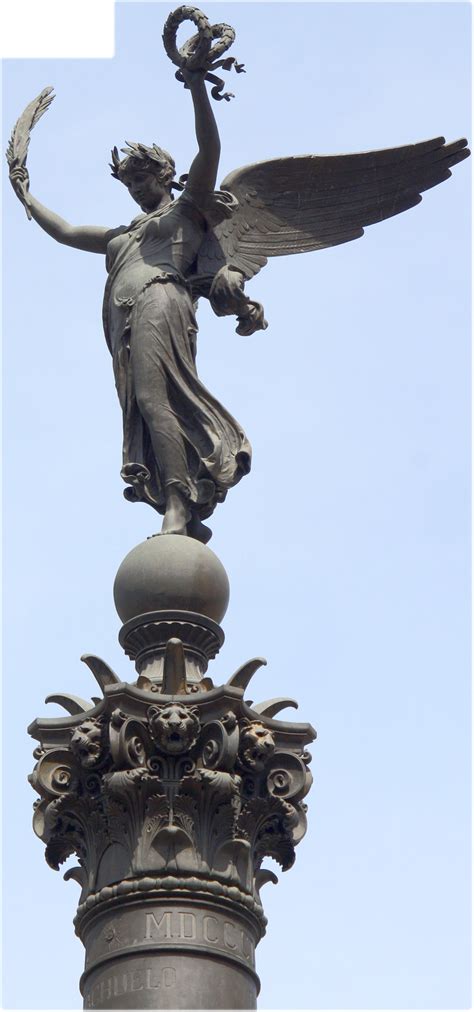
(146, 172)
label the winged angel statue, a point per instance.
(182, 450)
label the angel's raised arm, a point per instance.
(90, 238)
(203, 172)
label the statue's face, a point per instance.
(146, 189)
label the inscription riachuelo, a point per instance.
(117, 984)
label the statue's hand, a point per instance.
(251, 319)
(20, 181)
(192, 77)
(227, 297)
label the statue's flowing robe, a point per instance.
(151, 328)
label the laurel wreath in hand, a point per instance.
(202, 51)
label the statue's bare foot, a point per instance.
(196, 529)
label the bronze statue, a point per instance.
(182, 450)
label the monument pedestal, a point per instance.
(171, 792)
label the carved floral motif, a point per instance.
(148, 792)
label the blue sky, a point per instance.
(347, 547)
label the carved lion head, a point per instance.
(256, 744)
(86, 742)
(174, 726)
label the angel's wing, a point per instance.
(293, 205)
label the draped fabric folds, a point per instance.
(175, 431)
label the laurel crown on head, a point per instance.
(140, 156)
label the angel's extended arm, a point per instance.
(203, 172)
(91, 238)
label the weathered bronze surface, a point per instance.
(172, 791)
(182, 450)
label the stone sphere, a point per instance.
(171, 572)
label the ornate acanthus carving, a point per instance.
(146, 787)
